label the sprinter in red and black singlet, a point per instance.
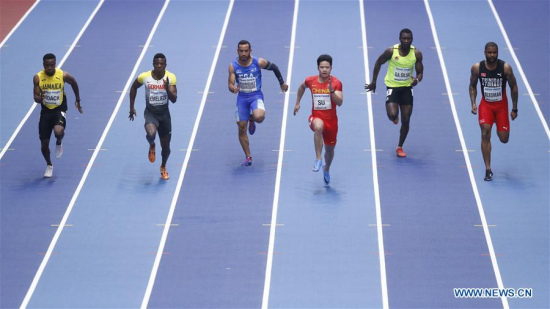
(493, 75)
(49, 92)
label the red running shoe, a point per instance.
(400, 152)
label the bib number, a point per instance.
(52, 97)
(157, 97)
(248, 84)
(402, 74)
(492, 94)
(321, 101)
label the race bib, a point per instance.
(493, 94)
(247, 84)
(52, 97)
(321, 101)
(157, 97)
(402, 74)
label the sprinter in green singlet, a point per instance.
(403, 59)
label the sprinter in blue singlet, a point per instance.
(245, 79)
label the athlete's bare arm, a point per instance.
(171, 90)
(37, 92)
(133, 92)
(509, 73)
(72, 81)
(336, 96)
(299, 95)
(231, 81)
(473, 87)
(384, 57)
(419, 68)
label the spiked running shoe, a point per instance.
(400, 152)
(164, 173)
(488, 175)
(247, 161)
(396, 120)
(58, 151)
(49, 171)
(152, 153)
(317, 165)
(326, 177)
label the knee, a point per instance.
(242, 129)
(504, 139)
(259, 119)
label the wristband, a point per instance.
(515, 110)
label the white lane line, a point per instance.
(520, 69)
(89, 165)
(269, 266)
(168, 222)
(19, 23)
(379, 225)
(467, 158)
(69, 51)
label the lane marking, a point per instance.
(272, 229)
(520, 69)
(467, 157)
(381, 255)
(40, 270)
(166, 229)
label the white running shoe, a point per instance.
(49, 171)
(317, 165)
(58, 151)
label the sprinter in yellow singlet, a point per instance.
(49, 92)
(160, 89)
(403, 60)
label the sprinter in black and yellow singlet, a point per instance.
(493, 74)
(49, 92)
(160, 88)
(403, 60)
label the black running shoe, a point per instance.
(488, 175)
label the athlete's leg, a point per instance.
(486, 145)
(329, 155)
(243, 137)
(504, 136)
(406, 112)
(165, 144)
(45, 148)
(258, 115)
(317, 126)
(392, 109)
(151, 133)
(59, 132)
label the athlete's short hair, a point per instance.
(491, 44)
(48, 56)
(405, 30)
(324, 57)
(244, 42)
(159, 55)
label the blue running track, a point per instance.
(442, 227)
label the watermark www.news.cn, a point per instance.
(493, 293)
